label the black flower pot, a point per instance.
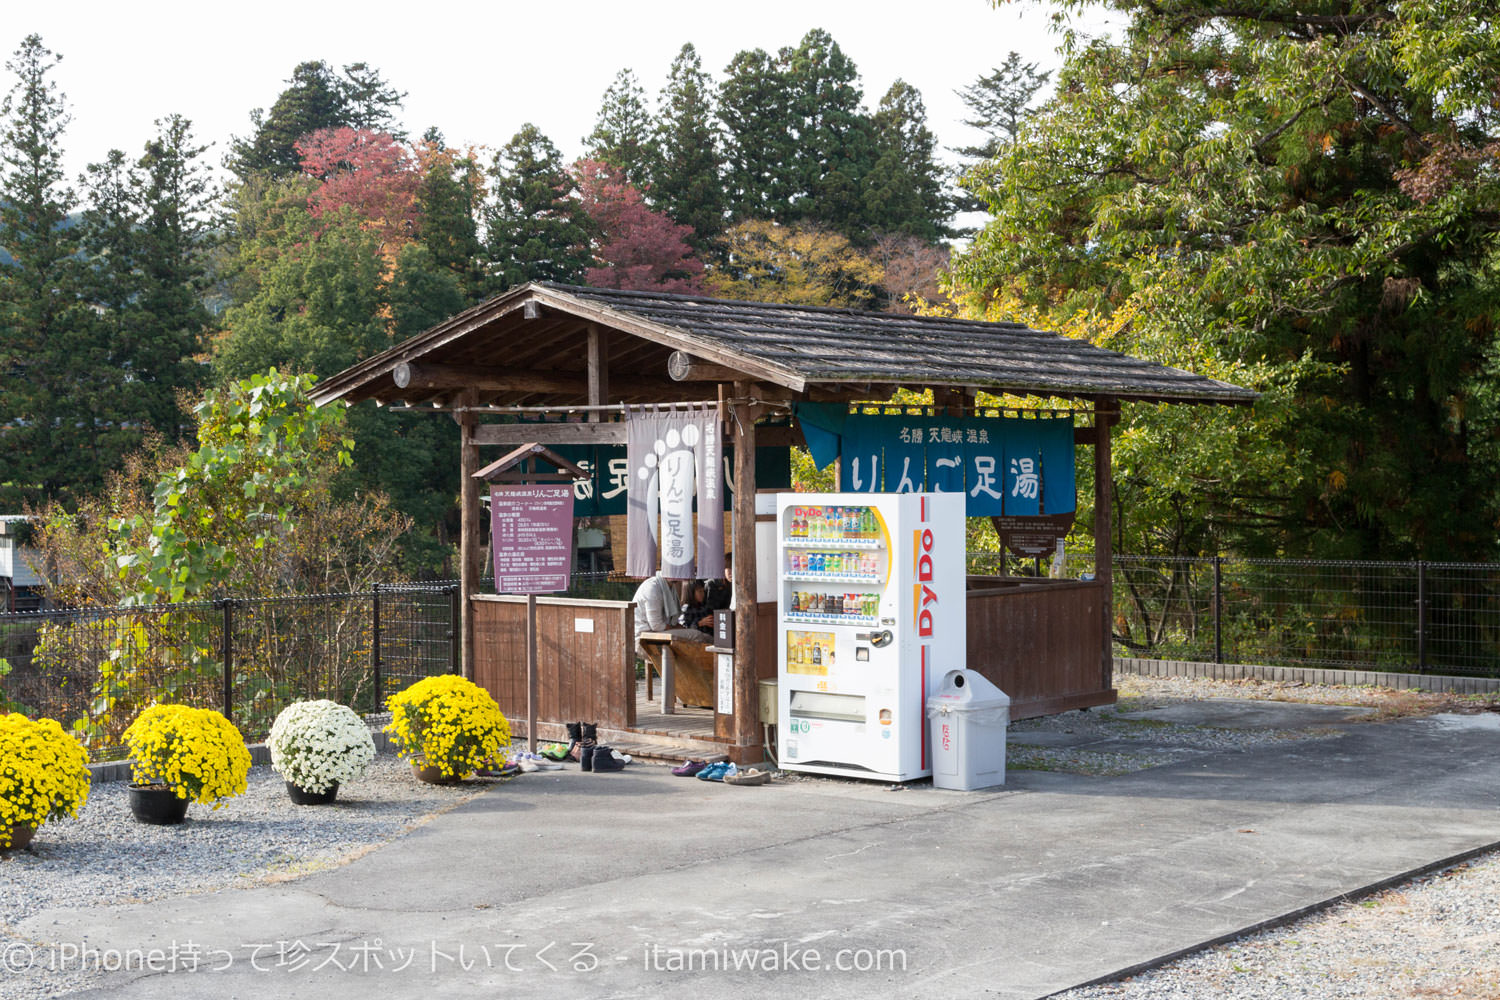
(157, 805)
(302, 797)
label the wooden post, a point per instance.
(598, 370)
(531, 672)
(468, 551)
(1104, 416)
(746, 719)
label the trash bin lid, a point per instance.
(967, 690)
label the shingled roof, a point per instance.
(541, 329)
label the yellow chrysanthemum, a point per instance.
(451, 722)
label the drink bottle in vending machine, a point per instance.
(871, 615)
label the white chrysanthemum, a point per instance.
(317, 744)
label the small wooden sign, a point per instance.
(1033, 537)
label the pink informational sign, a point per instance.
(531, 531)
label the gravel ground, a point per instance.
(105, 856)
(1436, 936)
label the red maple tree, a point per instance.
(370, 173)
(639, 249)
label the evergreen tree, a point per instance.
(175, 238)
(316, 98)
(688, 185)
(370, 102)
(535, 230)
(999, 102)
(52, 364)
(759, 138)
(835, 145)
(903, 192)
(448, 200)
(622, 136)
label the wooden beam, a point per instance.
(484, 379)
(514, 434)
(469, 514)
(1105, 413)
(613, 432)
(746, 692)
(598, 370)
(531, 310)
(683, 367)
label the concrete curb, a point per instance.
(1290, 917)
(1308, 675)
(260, 755)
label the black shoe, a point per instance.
(586, 757)
(575, 731)
(590, 732)
(604, 760)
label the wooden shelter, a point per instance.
(551, 349)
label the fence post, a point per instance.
(1218, 609)
(226, 648)
(455, 664)
(375, 645)
(1421, 616)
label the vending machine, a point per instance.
(871, 615)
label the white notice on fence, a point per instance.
(726, 684)
(583, 624)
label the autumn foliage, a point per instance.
(640, 249)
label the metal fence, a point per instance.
(94, 669)
(1397, 616)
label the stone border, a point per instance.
(260, 754)
(1308, 675)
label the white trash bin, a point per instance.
(969, 718)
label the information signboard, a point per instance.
(531, 533)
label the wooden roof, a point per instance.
(528, 346)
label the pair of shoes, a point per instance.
(538, 761)
(585, 736)
(718, 772)
(754, 776)
(602, 758)
(689, 768)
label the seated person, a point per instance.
(697, 613)
(657, 610)
(721, 591)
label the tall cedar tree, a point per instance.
(448, 200)
(1000, 101)
(637, 248)
(174, 239)
(1296, 200)
(760, 138)
(622, 135)
(146, 239)
(57, 380)
(688, 184)
(535, 230)
(316, 98)
(904, 190)
(835, 147)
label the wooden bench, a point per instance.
(686, 668)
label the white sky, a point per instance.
(478, 70)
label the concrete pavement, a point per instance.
(641, 884)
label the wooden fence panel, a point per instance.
(585, 658)
(1038, 641)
